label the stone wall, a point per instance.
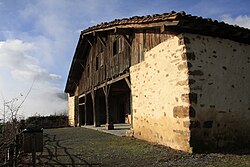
(160, 95)
(71, 110)
(220, 88)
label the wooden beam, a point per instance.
(93, 95)
(118, 78)
(128, 41)
(99, 86)
(168, 24)
(108, 83)
(115, 30)
(82, 65)
(73, 81)
(106, 89)
(90, 42)
(128, 83)
(87, 92)
(162, 29)
(124, 32)
(98, 30)
(101, 40)
(82, 95)
(133, 26)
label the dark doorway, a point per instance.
(89, 110)
(81, 115)
(81, 107)
(119, 102)
(102, 109)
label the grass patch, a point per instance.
(83, 147)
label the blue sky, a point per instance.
(38, 40)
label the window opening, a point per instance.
(88, 71)
(96, 63)
(115, 47)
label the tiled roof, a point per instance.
(176, 22)
(160, 18)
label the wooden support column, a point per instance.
(130, 100)
(85, 110)
(109, 123)
(95, 112)
(128, 83)
(76, 116)
(131, 110)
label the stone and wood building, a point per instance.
(179, 80)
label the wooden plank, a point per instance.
(102, 41)
(82, 95)
(99, 30)
(90, 42)
(99, 86)
(87, 92)
(118, 78)
(95, 114)
(128, 83)
(115, 28)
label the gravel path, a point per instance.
(87, 147)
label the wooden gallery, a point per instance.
(178, 80)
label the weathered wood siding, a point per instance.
(145, 40)
(111, 55)
(104, 61)
(119, 62)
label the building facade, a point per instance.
(179, 80)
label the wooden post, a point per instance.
(131, 110)
(17, 143)
(33, 150)
(95, 112)
(76, 115)
(93, 106)
(109, 123)
(85, 110)
(11, 155)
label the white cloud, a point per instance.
(14, 53)
(19, 67)
(241, 20)
(39, 52)
(47, 39)
(20, 57)
(55, 77)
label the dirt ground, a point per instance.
(85, 147)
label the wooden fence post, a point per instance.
(11, 155)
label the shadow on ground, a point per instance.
(57, 154)
(87, 147)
